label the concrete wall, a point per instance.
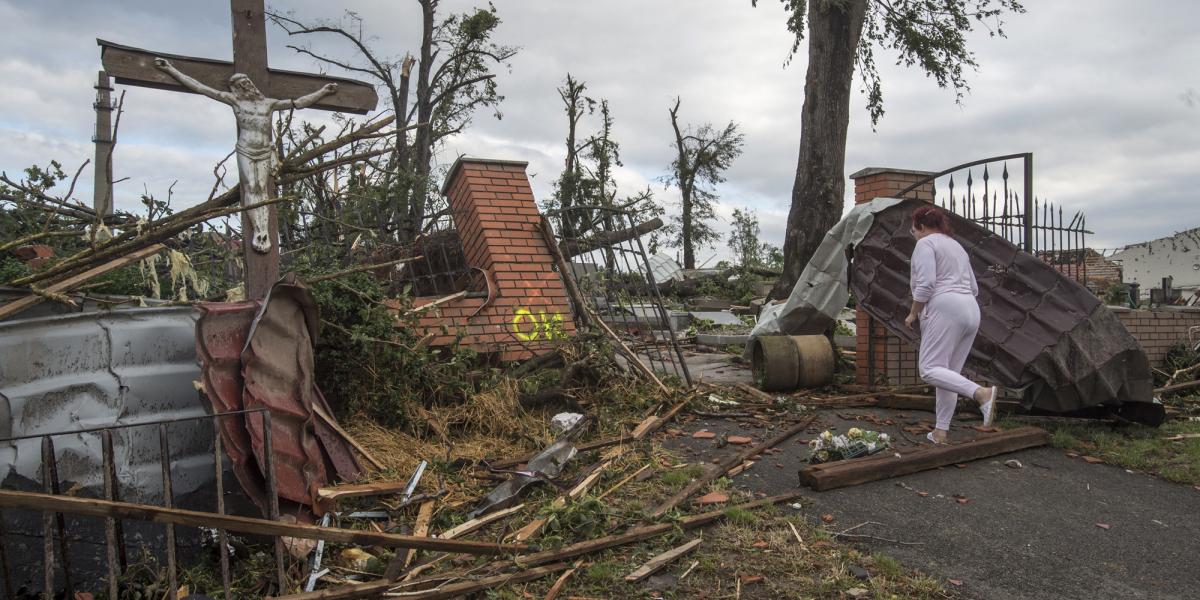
(1177, 256)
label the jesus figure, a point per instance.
(255, 151)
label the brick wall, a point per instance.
(1156, 330)
(498, 223)
(1159, 329)
(873, 340)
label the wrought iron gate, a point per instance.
(1037, 226)
(615, 278)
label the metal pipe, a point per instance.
(169, 502)
(128, 425)
(222, 539)
(114, 541)
(59, 520)
(47, 530)
(4, 567)
(273, 499)
(1028, 160)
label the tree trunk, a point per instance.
(684, 174)
(424, 138)
(818, 193)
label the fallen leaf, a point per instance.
(828, 518)
(1104, 526)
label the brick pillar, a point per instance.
(871, 183)
(499, 226)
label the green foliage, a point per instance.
(744, 241)
(702, 155)
(367, 361)
(740, 517)
(587, 518)
(931, 34)
(11, 268)
(1116, 294)
(588, 179)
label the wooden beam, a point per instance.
(360, 490)
(70, 283)
(190, 518)
(135, 66)
(843, 473)
(726, 465)
(333, 424)
(637, 534)
(660, 561)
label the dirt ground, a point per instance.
(1057, 527)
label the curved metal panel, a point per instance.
(1039, 329)
(81, 371)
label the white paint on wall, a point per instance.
(1177, 256)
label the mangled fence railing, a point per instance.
(1035, 225)
(56, 547)
(604, 248)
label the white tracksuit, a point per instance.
(943, 279)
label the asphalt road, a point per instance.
(1030, 532)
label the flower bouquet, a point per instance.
(853, 444)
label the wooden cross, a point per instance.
(134, 66)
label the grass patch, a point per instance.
(680, 477)
(1136, 447)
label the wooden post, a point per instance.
(250, 59)
(102, 194)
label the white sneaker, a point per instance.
(989, 408)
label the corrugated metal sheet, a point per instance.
(90, 370)
(220, 337)
(1039, 329)
(278, 369)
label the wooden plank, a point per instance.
(845, 473)
(333, 424)
(70, 283)
(660, 561)
(360, 490)
(260, 270)
(726, 465)
(421, 528)
(475, 524)
(157, 514)
(135, 66)
(637, 534)
(552, 593)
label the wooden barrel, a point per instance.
(784, 363)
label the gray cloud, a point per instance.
(1100, 95)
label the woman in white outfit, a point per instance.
(943, 291)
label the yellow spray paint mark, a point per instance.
(528, 327)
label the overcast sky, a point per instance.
(1106, 94)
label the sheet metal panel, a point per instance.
(65, 373)
(1039, 329)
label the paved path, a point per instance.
(1025, 533)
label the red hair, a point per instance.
(931, 217)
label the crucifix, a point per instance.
(254, 93)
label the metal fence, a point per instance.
(614, 276)
(440, 267)
(56, 547)
(1009, 208)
